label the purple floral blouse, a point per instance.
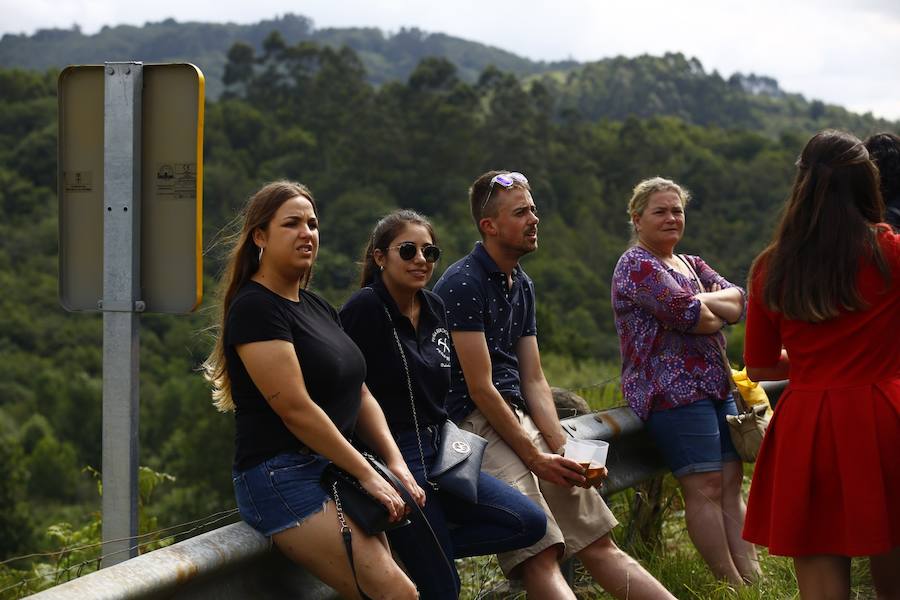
(664, 366)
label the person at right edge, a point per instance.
(498, 390)
(824, 311)
(884, 150)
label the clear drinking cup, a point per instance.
(591, 455)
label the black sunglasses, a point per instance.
(408, 250)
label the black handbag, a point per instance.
(350, 497)
(458, 463)
(457, 466)
(370, 514)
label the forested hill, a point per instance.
(612, 88)
(386, 57)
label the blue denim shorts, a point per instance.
(281, 492)
(694, 438)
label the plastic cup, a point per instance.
(590, 451)
(579, 450)
(591, 455)
(601, 451)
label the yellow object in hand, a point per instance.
(750, 391)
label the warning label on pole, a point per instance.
(176, 181)
(78, 181)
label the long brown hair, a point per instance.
(243, 262)
(826, 231)
(387, 229)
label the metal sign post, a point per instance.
(130, 215)
(123, 83)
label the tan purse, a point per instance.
(748, 427)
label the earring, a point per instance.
(259, 258)
(381, 267)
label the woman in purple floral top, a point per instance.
(669, 311)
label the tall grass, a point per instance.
(597, 382)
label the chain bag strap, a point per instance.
(412, 397)
(350, 498)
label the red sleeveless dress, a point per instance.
(827, 480)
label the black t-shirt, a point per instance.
(333, 367)
(427, 354)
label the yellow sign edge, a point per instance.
(201, 104)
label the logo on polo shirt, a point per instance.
(441, 339)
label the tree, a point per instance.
(15, 522)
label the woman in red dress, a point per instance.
(824, 311)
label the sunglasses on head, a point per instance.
(507, 180)
(408, 251)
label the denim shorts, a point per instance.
(694, 438)
(281, 492)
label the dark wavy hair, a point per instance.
(243, 262)
(827, 229)
(884, 148)
(387, 229)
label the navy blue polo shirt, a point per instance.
(477, 298)
(427, 354)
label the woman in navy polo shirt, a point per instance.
(398, 263)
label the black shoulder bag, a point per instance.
(457, 466)
(370, 514)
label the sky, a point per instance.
(844, 52)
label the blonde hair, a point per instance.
(641, 193)
(243, 262)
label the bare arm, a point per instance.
(275, 370)
(779, 372)
(373, 430)
(708, 322)
(727, 304)
(475, 360)
(536, 392)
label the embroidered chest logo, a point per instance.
(441, 339)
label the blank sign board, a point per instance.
(171, 187)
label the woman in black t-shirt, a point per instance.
(296, 384)
(398, 263)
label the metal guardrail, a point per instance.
(236, 562)
(232, 562)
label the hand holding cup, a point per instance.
(591, 455)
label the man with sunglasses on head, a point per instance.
(498, 390)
